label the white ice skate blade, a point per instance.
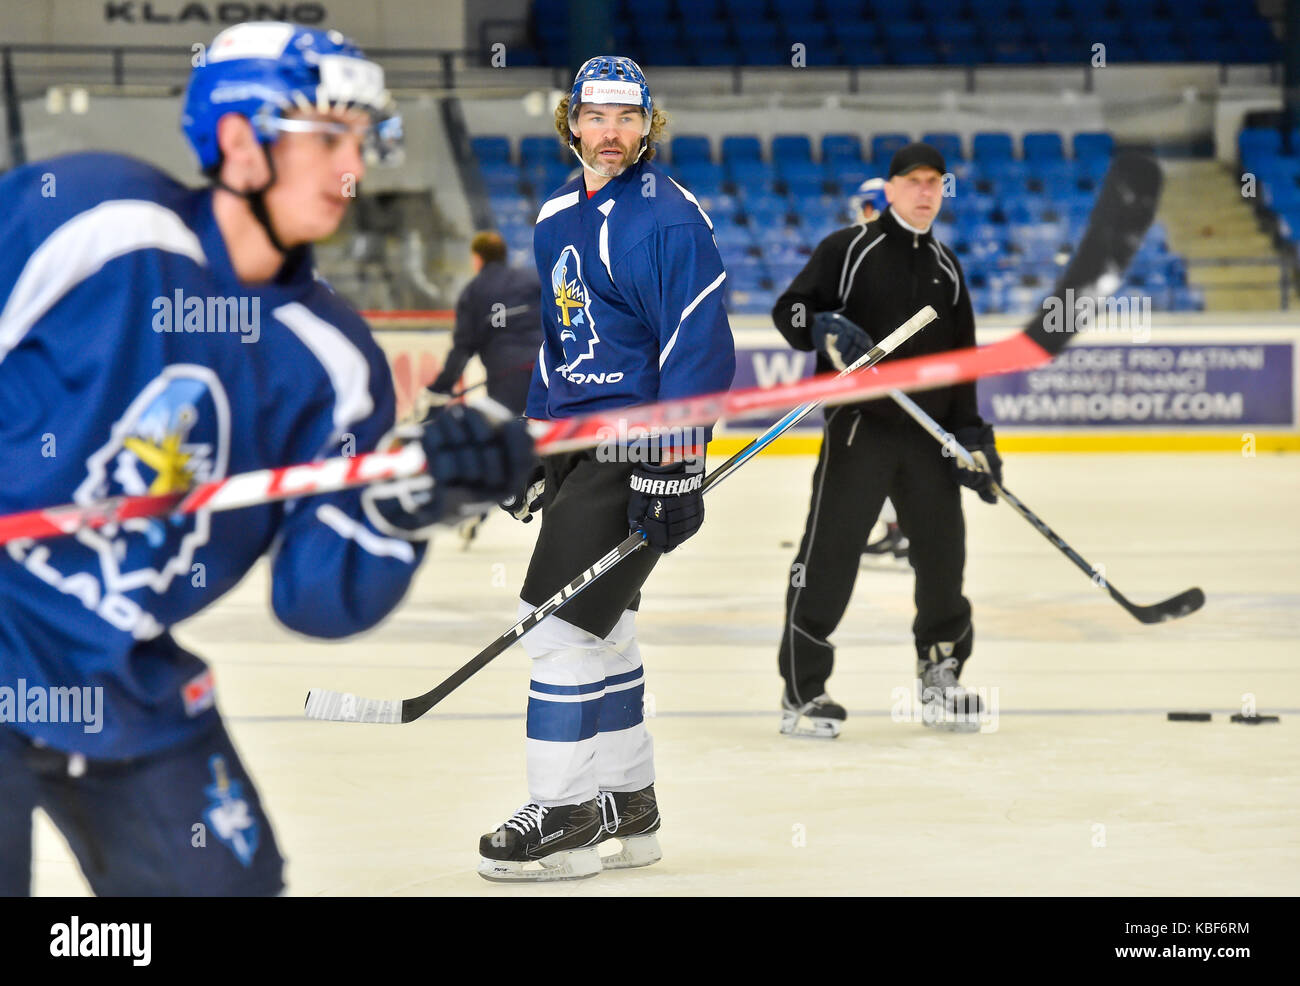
(806, 727)
(635, 850)
(955, 725)
(943, 721)
(576, 864)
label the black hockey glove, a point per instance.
(472, 463)
(842, 342)
(666, 502)
(978, 441)
(529, 498)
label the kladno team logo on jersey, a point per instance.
(572, 299)
(174, 435)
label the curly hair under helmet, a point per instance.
(658, 123)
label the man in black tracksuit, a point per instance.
(874, 277)
(497, 318)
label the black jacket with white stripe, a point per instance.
(877, 275)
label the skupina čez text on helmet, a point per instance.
(264, 70)
(611, 80)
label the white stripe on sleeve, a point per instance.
(348, 371)
(345, 527)
(80, 247)
(689, 308)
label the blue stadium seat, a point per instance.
(491, 148)
(954, 32)
(732, 237)
(749, 172)
(741, 147)
(993, 9)
(692, 147)
(1091, 145)
(1045, 30)
(751, 33)
(815, 36)
(654, 10)
(841, 147)
(905, 33)
(791, 147)
(702, 177)
(806, 173)
(884, 146)
(947, 144)
(1042, 146)
(992, 147)
(1257, 140)
(660, 37)
(707, 9)
(841, 11)
(537, 150)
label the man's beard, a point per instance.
(592, 159)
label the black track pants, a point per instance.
(863, 460)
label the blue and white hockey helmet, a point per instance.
(611, 79)
(870, 192)
(263, 69)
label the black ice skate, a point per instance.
(822, 718)
(537, 843)
(888, 550)
(631, 819)
(945, 704)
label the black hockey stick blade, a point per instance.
(1171, 609)
(1118, 223)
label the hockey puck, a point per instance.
(1188, 717)
(1254, 720)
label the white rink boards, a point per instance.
(1083, 789)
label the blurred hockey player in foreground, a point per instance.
(152, 337)
(632, 312)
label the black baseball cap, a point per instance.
(916, 156)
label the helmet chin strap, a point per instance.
(256, 200)
(573, 146)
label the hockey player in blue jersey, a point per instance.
(633, 312)
(152, 337)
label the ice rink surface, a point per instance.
(1083, 787)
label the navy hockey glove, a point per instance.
(978, 441)
(666, 503)
(529, 498)
(842, 342)
(472, 463)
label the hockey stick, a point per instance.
(1119, 220)
(1171, 609)
(323, 703)
(1124, 211)
(262, 486)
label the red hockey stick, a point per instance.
(307, 479)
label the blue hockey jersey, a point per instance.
(132, 361)
(632, 297)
